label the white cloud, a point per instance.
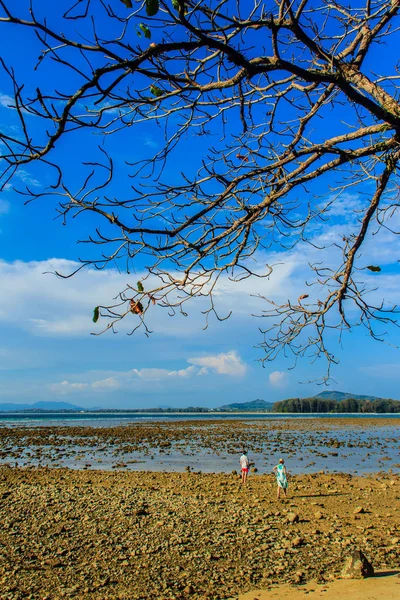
(7, 101)
(47, 306)
(4, 207)
(278, 379)
(42, 304)
(108, 383)
(27, 178)
(228, 363)
(137, 379)
(186, 373)
(65, 387)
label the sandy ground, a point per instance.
(383, 586)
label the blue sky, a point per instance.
(47, 351)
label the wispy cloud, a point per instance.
(278, 379)
(228, 363)
(4, 207)
(27, 178)
(7, 101)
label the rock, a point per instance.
(356, 566)
(292, 517)
(297, 541)
(189, 590)
(359, 510)
(318, 515)
(394, 541)
(298, 576)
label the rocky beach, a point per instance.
(117, 533)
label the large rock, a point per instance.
(356, 566)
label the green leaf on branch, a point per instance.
(179, 5)
(140, 286)
(128, 3)
(146, 30)
(152, 7)
(374, 268)
(156, 91)
(96, 314)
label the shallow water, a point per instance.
(23, 419)
(336, 445)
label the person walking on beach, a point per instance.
(281, 478)
(244, 465)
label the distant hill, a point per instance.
(334, 395)
(37, 406)
(252, 406)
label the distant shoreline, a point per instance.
(189, 413)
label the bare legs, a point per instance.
(278, 495)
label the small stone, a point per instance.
(297, 541)
(298, 577)
(394, 541)
(292, 517)
(189, 590)
(359, 510)
(318, 515)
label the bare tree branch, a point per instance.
(285, 109)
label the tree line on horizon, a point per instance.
(347, 405)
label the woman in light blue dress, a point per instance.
(281, 478)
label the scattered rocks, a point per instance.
(108, 535)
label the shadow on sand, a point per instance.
(320, 495)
